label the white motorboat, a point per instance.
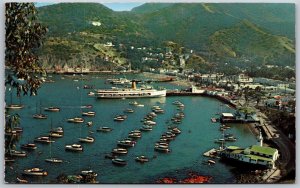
(52, 109)
(119, 151)
(40, 116)
(76, 120)
(104, 129)
(18, 153)
(118, 161)
(35, 172)
(44, 139)
(54, 160)
(90, 113)
(29, 146)
(74, 147)
(87, 139)
(55, 135)
(142, 159)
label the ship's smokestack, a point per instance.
(133, 85)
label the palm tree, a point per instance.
(12, 121)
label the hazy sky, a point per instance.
(113, 6)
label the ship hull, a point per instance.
(131, 94)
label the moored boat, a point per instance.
(161, 148)
(14, 106)
(126, 143)
(90, 113)
(76, 120)
(54, 160)
(19, 180)
(128, 110)
(120, 151)
(44, 139)
(29, 146)
(52, 109)
(118, 161)
(74, 147)
(104, 129)
(134, 135)
(55, 135)
(146, 128)
(87, 139)
(35, 172)
(40, 116)
(142, 159)
(16, 153)
(88, 172)
(58, 130)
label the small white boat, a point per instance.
(140, 105)
(211, 162)
(104, 129)
(40, 116)
(55, 135)
(35, 172)
(128, 110)
(19, 180)
(126, 143)
(134, 135)
(90, 113)
(89, 123)
(91, 93)
(29, 146)
(161, 148)
(142, 159)
(14, 106)
(87, 106)
(76, 120)
(87, 139)
(54, 160)
(58, 130)
(119, 151)
(44, 139)
(18, 129)
(146, 128)
(88, 172)
(118, 161)
(149, 122)
(52, 109)
(133, 103)
(18, 153)
(74, 147)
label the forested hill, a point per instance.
(262, 33)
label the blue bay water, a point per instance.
(198, 134)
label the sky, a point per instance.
(113, 6)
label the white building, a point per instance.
(242, 78)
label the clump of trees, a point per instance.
(23, 37)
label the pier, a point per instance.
(210, 153)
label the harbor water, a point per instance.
(197, 134)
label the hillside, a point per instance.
(248, 40)
(263, 33)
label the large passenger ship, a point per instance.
(132, 92)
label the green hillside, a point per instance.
(247, 39)
(263, 33)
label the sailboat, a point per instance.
(53, 159)
(39, 115)
(13, 106)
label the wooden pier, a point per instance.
(210, 153)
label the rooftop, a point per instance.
(255, 157)
(227, 114)
(263, 150)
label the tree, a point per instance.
(22, 38)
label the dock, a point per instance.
(210, 152)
